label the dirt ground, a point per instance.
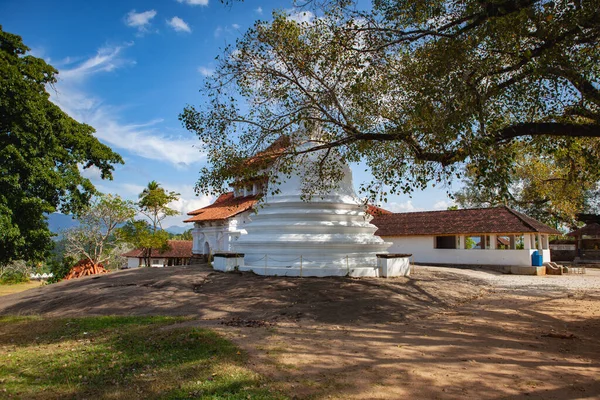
(440, 334)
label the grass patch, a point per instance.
(122, 358)
(17, 287)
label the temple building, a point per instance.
(496, 236)
(286, 235)
(278, 232)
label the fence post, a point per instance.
(300, 265)
(347, 265)
(266, 255)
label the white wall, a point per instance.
(423, 251)
(219, 234)
(137, 262)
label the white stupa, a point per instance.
(330, 235)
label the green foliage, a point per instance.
(550, 188)
(141, 235)
(41, 150)
(187, 235)
(12, 277)
(153, 203)
(15, 272)
(60, 267)
(415, 89)
(94, 238)
(124, 358)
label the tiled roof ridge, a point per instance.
(520, 216)
(452, 210)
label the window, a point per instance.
(510, 242)
(504, 242)
(155, 261)
(474, 242)
(445, 242)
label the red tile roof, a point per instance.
(226, 206)
(458, 222)
(375, 211)
(265, 158)
(590, 229)
(177, 249)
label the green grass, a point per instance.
(17, 287)
(122, 358)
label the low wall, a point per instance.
(226, 262)
(422, 248)
(562, 255)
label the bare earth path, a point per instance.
(440, 334)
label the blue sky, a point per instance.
(129, 67)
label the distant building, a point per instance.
(178, 253)
(485, 236)
(587, 243)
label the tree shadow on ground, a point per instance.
(122, 358)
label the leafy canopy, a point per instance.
(147, 235)
(94, 238)
(544, 188)
(415, 89)
(154, 203)
(41, 152)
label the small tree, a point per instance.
(95, 238)
(154, 202)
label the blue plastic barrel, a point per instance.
(537, 260)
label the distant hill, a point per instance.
(177, 230)
(58, 222)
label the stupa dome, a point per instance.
(326, 235)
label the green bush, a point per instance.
(11, 277)
(60, 268)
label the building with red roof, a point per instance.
(482, 236)
(178, 253)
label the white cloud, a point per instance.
(301, 16)
(188, 201)
(92, 173)
(235, 26)
(106, 59)
(194, 2)
(443, 205)
(205, 71)
(179, 25)
(218, 31)
(143, 139)
(406, 206)
(259, 10)
(141, 20)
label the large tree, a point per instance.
(416, 89)
(41, 152)
(95, 237)
(542, 188)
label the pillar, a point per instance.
(527, 241)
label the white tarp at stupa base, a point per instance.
(330, 235)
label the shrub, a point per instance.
(13, 276)
(60, 268)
